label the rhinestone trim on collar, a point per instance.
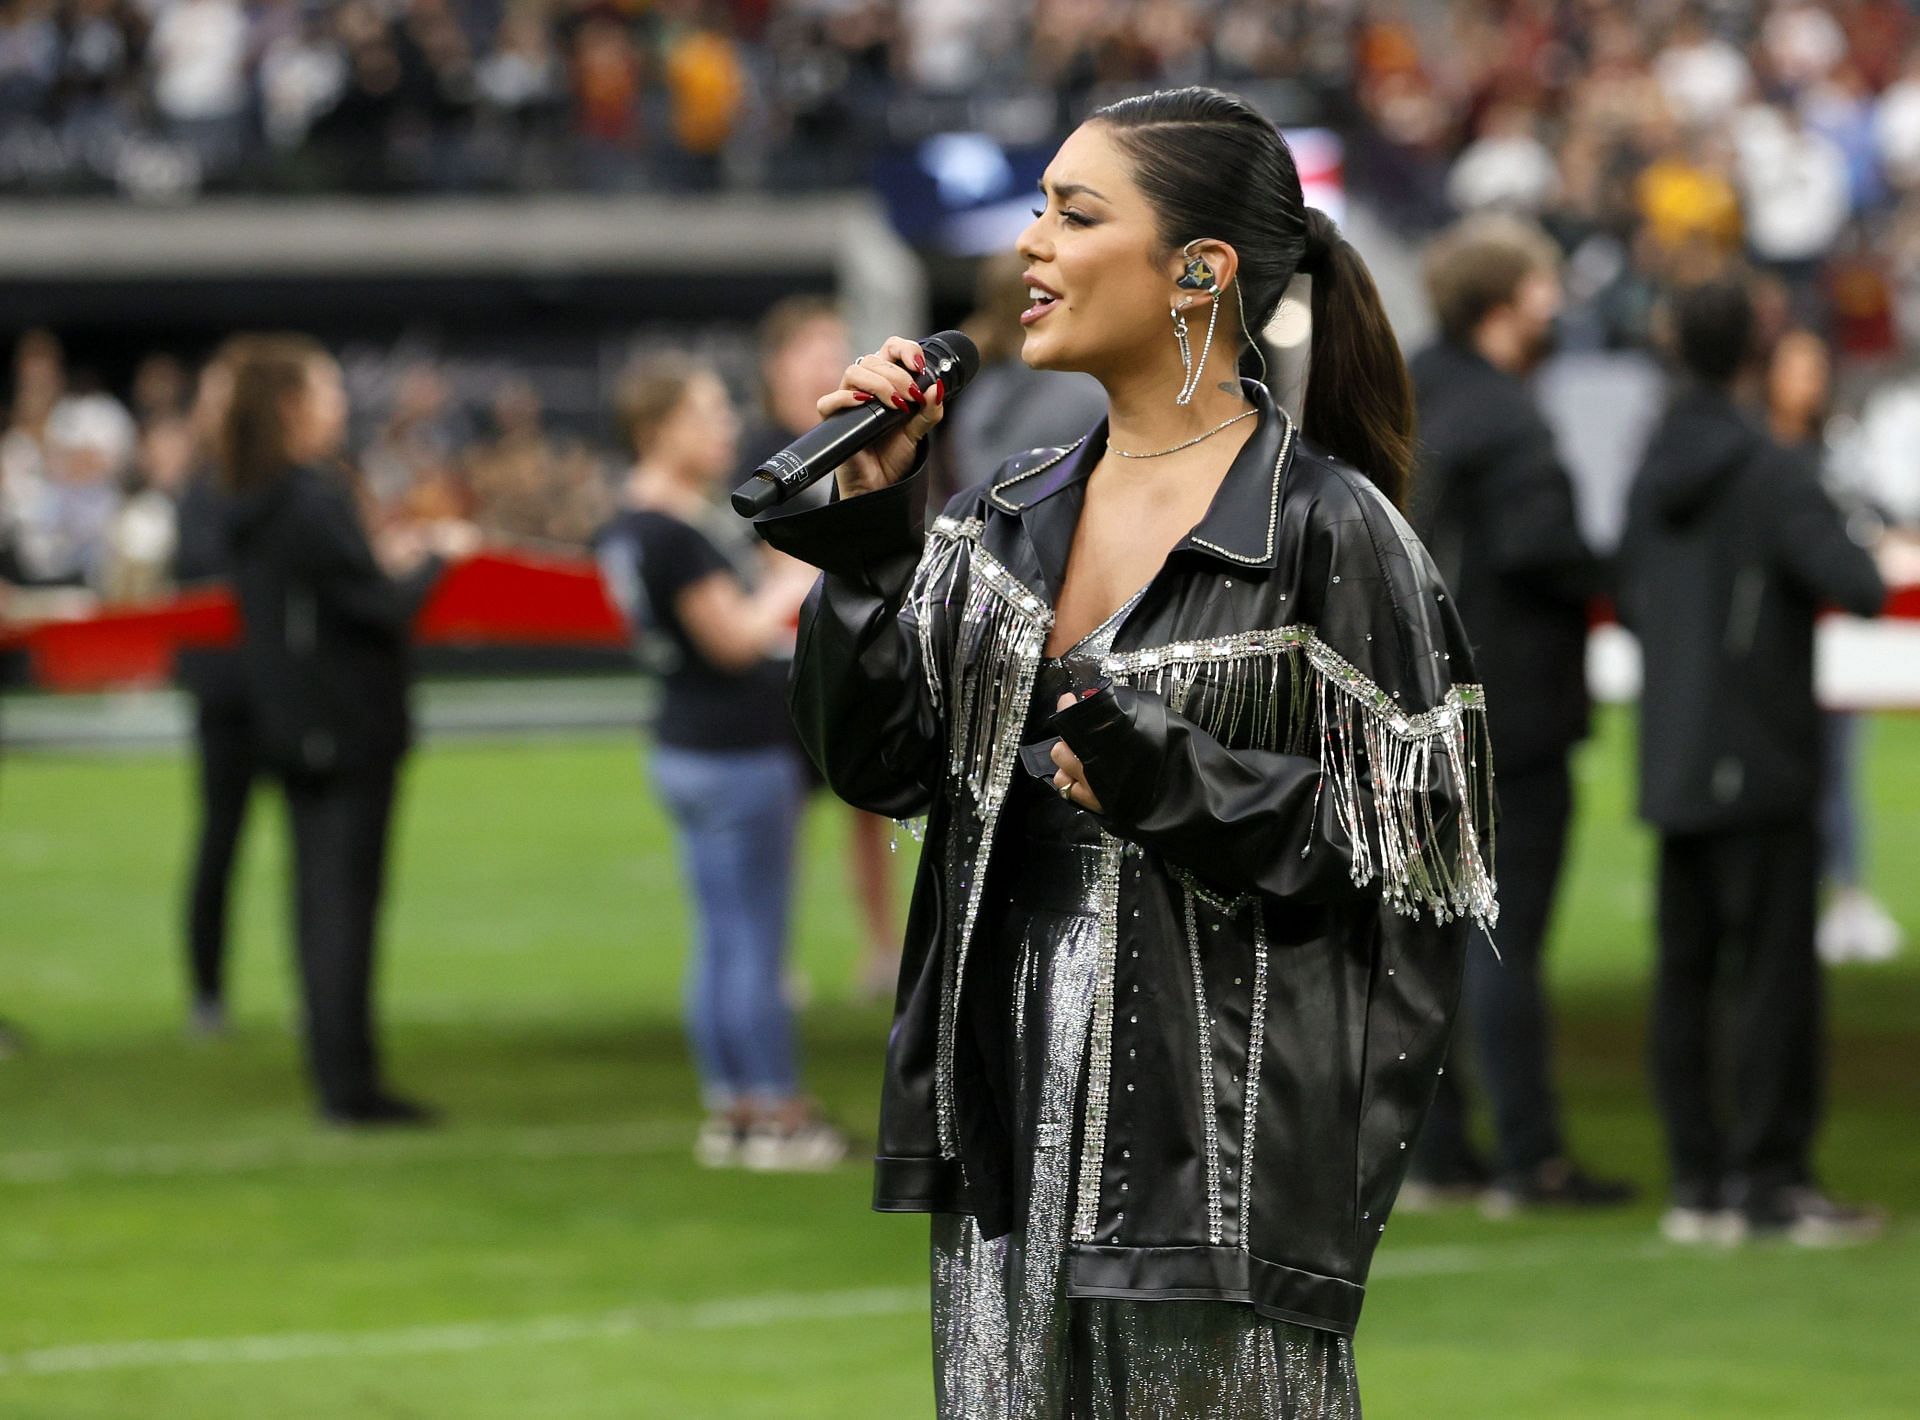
(1038, 468)
(1273, 511)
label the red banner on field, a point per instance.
(496, 599)
(491, 600)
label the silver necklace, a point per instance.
(1197, 438)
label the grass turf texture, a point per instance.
(178, 1240)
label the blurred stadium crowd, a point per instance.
(1665, 125)
(1656, 143)
(89, 482)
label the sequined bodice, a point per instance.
(1041, 811)
(1078, 665)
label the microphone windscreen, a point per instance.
(964, 353)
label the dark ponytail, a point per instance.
(1359, 395)
(1212, 166)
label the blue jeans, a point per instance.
(738, 815)
(1841, 757)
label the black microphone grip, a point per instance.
(837, 438)
(817, 453)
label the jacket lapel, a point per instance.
(1042, 496)
(1241, 525)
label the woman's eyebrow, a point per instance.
(1068, 189)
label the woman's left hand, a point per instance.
(1071, 774)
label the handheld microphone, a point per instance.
(818, 452)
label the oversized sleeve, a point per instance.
(335, 557)
(865, 690)
(1529, 518)
(1380, 780)
(1809, 537)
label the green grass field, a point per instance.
(179, 1242)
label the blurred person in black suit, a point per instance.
(223, 726)
(1731, 549)
(325, 651)
(1495, 505)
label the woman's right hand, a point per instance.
(887, 374)
(1897, 555)
(454, 539)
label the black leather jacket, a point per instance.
(1296, 822)
(325, 643)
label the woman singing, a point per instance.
(1207, 798)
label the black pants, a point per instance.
(227, 766)
(1504, 1006)
(340, 851)
(1738, 1038)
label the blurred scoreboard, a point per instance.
(970, 194)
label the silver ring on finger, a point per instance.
(1066, 791)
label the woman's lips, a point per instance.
(1043, 302)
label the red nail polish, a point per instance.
(919, 362)
(900, 403)
(864, 398)
(940, 391)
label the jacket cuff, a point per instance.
(1102, 729)
(848, 536)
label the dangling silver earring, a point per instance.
(1198, 276)
(1194, 368)
(1186, 352)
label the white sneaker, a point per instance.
(1698, 1227)
(1807, 1217)
(719, 1144)
(1856, 928)
(811, 1147)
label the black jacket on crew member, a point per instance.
(1495, 507)
(1730, 550)
(203, 554)
(226, 759)
(326, 649)
(325, 652)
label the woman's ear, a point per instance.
(1203, 269)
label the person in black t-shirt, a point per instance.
(713, 619)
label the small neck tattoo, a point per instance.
(1187, 443)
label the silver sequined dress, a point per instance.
(1008, 1344)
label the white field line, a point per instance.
(324, 1151)
(747, 1312)
(768, 1309)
